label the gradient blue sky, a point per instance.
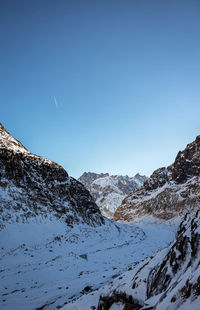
(126, 76)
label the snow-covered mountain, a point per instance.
(170, 280)
(32, 186)
(169, 192)
(55, 244)
(109, 190)
(58, 251)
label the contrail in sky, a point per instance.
(55, 101)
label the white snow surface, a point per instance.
(121, 283)
(45, 263)
(187, 273)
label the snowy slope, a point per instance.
(169, 280)
(48, 263)
(109, 191)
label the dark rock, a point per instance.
(86, 289)
(187, 163)
(84, 256)
(105, 302)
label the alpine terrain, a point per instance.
(108, 191)
(169, 280)
(55, 246)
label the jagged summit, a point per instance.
(32, 186)
(170, 191)
(109, 190)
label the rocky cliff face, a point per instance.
(109, 191)
(32, 186)
(169, 192)
(168, 281)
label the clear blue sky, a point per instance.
(125, 74)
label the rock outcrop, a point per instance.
(109, 191)
(32, 186)
(169, 192)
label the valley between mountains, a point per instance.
(44, 264)
(101, 242)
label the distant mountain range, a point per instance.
(108, 191)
